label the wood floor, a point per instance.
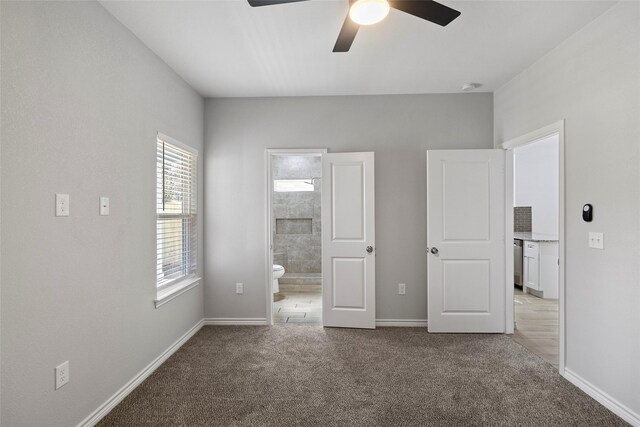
(537, 325)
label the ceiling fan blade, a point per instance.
(426, 9)
(347, 34)
(256, 3)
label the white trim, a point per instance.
(268, 153)
(562, 244)
(603, 398)
(403, 323)
(161, 136)
(529, 138)
(177, 287)
(107, 406)
(509, 317)
(167, 294)
(213, 321)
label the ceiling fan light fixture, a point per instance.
(369, 12)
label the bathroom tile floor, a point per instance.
(537, 325)
(298, 304)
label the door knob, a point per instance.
(434, 251)
(369, 249)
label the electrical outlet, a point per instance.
(62, 204)
(239, 288)
(402, 288)
(596, 240)
(104, 206)
(62, 374)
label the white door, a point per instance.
(348, 241)
(466, 239)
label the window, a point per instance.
(176, 207)
(290, 185)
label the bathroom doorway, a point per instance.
(536, 163)
(294, 240)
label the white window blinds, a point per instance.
(176, 208)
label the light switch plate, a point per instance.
(596, 240)
(62, 204)
(402, 289)
(104, 206)
(239, 288)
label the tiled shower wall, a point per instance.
(522, 219)
(296, 216)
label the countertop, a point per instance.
(534, 237)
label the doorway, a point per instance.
(294, 236)
(535, 228)
(342, 193)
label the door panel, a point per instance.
(466, 286)
(465, 226)
(348, 210)
(465, 184)
(348, 228)
(349, 283)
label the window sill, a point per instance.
(167, 294)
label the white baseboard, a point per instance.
(107, 406)
(404, 323)
(407, 323)
(235, 321)
(603, 398)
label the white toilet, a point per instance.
(278, 271)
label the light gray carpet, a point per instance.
(306, 375)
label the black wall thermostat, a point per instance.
(587, 212)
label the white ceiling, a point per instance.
(225, 48)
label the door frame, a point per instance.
(509, 146)
(268, 156)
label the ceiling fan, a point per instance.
(368, 12)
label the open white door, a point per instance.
(348, 241)
(465, 233)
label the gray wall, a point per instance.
(592, 81)
(399, 129)
(82, 100)
(297, 247)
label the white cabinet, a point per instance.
(531, 266)
(540, 267)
